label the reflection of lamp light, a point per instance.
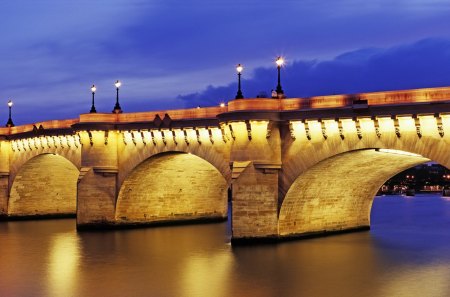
(280, 62)
(117, 108)
(93, 89)
(10, 122)
(64, 253)
(239, 69)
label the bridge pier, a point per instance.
(97, 184)
(256, 160)
(254, 203)
(4, 177)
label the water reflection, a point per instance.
(407, 253)
(63, 264)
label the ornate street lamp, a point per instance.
(280, 62)
(10, 122)
(239, 69)
(117, 108)
(93, 89)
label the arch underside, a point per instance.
(172, 187)
(337, 193)
(45, 185)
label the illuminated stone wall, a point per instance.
(300, 153)
(289, 174)
(337, 193)
(45, 185)
(136, 147)
(97, 186)
(255, 186)
(255, 204)
(172, 186)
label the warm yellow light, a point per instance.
(279, 61)
(93, 89)
(398, 152)
(117, 84)
(222, 104)
(10, 103)
(239, 68)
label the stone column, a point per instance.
(97, 186)
(5, 149)
(255, 161)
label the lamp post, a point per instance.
(10, 122)
(280, 62)
(117, 108)
(239, 69)
(93, 89)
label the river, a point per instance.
(406, 253)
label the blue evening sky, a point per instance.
(176, 54)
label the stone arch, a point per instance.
(45, 185)
(131, 156)
(300, 155)
(337, 193)
(172, 186)
(19, 158)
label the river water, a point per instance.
(406, 253)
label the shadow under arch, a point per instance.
(46, 185)
(337, 193)
(172, 186)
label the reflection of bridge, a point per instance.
(295, 166)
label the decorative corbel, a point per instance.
(324, 129)
(307, 131)
(143, 138)
(185, 136)
(341, 129)
(210, 135)
(291, 130)
(248, 125)
(174, 137)
(439, 125)
(396, 126)
(417, 125)
(197, 132)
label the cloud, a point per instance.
(416, 65)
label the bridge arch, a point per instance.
(45, 184)
(301, 154)
(172, 186)
(337, 193)
(131, 156)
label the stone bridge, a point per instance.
(292, 167)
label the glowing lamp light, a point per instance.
(279, 61)
(10, 122)
(239, 94)
(93, 89)
(279, 90)
(222, 104)
(239, 68)
(117, 108)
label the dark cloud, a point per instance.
(417, 65)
